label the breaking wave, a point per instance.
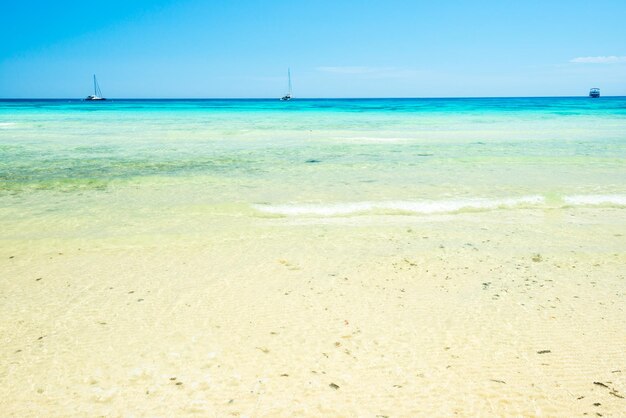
(399, 207)
(438, 206)
(596, 199)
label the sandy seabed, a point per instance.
(502, 313)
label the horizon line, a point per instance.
(307, 98)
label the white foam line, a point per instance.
(425, 207)
(596, 199)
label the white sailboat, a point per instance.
(288, 95)
(97, 94)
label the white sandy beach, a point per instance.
(516, 313)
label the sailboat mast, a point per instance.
(95, 90)
(289, 77)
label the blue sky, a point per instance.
(242, 48)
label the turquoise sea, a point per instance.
(308, 157)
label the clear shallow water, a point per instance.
(222, 244)
(311, 157)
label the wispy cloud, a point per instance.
(370, 72)
(611, 59)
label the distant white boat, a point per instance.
(97, 94)
(288, 95)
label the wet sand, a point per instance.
(500, 313)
